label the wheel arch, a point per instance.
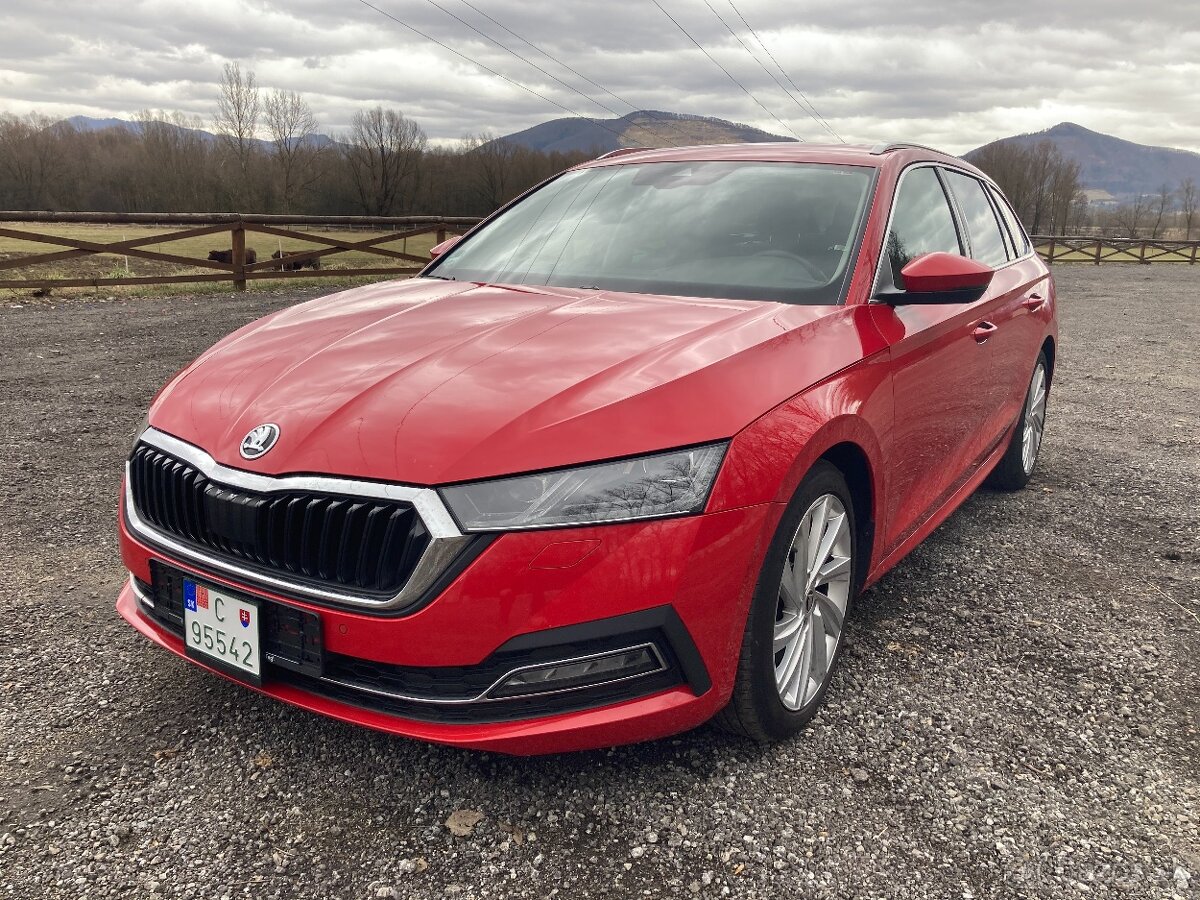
(852, 461)
(1048, 349)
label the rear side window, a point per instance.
(987, 241)
(1014, 224)
(921, 221)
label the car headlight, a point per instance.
(647, 487)
(141, 429)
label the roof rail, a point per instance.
(621, 151)
(888, 146)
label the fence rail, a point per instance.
(1096, 250)
(239, 269)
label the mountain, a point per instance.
(87, 123)
(1111, 164)
(645, 127)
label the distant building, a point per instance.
(1098, 197)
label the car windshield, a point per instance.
(737, 230)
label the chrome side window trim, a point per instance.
(445, 538)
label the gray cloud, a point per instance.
(950, 74)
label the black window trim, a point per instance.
(998, 198)
(987, 195)
(884, 263)
(990, 188)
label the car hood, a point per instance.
(430, 381)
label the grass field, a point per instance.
(120, 266)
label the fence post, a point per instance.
(1192, 261)
(1142, 254)
(1099, 247)
(1050, 251)
(239, 256)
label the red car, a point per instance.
(617, 462)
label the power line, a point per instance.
(766, 50)
(754, 57)
(488, 69)
(509, 50)
(728, 74)
(667, 122)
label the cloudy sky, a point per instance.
(952, 74)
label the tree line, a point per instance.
(1044, 188)
(265, 154)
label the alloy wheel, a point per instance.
(814, 593)
(1035, 419)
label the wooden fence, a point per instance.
(234, 227)
(1101, 249)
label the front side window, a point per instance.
(987, 242)
(921, 222)
(736, 230)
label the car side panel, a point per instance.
(1019, 334)
(940, 375)
(768, 459)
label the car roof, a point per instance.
(875, 156)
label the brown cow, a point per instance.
(298, 264)
(226, 256)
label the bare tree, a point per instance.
(1043, 186)
(1187, 205)
(293, 127)
(1129, 215)
(174, 165)
(33, 159)
(238, 109)
(382, 153)
(492, 167)
(1159, 207)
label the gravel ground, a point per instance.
(1016, 715)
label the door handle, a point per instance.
(1033, 302)
(983, 331)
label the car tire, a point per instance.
(1016, 466)
(760, 707)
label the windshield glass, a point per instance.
(736, 230)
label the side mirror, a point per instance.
(445, 245)
(942, 278)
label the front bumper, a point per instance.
(683, 583)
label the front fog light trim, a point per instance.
(593, 670)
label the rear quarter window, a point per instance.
(1019, 237)
(987, 241)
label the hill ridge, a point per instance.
(1122, 167)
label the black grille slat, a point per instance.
(361, 546)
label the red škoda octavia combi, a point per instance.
(617, 462)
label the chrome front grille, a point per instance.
(359, 543)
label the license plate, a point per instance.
(222, 629)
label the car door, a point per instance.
(1025, 312)
(939, 363)
(1011, 345)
